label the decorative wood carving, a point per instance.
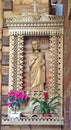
(36, 26)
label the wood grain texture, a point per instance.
(5, 59)
(5, 70)
(4, 110)
(5, 89)
(5, 40)
(4, 99)
(5, 49)
(5, 79)
(1, 25)
(67, 64)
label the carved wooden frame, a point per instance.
(16, 56)
(53, 28)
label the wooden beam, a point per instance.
(1, 25)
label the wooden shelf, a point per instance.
(33, 121)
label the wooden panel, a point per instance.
(0, 55)
(5, 79)
(4, 99)
(17, 2)
(5, 70)
(1, 15)
(8, 14)
(0, 44)
(5, 59)
(0, 89)
(5, 49)
(31, 127)
(7, 5)
(4, 110)
(14, 128)
(5, 90)
(5, 40)
(19, 5)
(5, 30)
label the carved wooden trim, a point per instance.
(33, 121)
(35, 31)
(34, 20)
(16, 61)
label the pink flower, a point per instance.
(45, 94)
(11, 93)
(22, 95)
(16, 97)
(18, 94)
(26, 96)
(9, 104)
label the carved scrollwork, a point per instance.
(38, 19)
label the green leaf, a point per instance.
(56, 99)
(35, 108)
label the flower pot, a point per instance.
(46, 115)
(14, 115)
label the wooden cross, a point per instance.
(35, 6)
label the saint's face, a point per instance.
(35, 46)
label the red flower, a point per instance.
(45, 94)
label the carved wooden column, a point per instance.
(52, 52)
(11, 62)
(19, 61)
(55, 84)
(55, 63)
(60, 64)
(60, 68)
(16, 62)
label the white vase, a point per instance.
(14, 115)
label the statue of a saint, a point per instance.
(37, 68)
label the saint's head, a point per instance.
(35, 45)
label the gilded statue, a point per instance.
(37, 68)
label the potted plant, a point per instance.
(15, 99)
(46, 106)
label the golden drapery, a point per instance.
(37, 71)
